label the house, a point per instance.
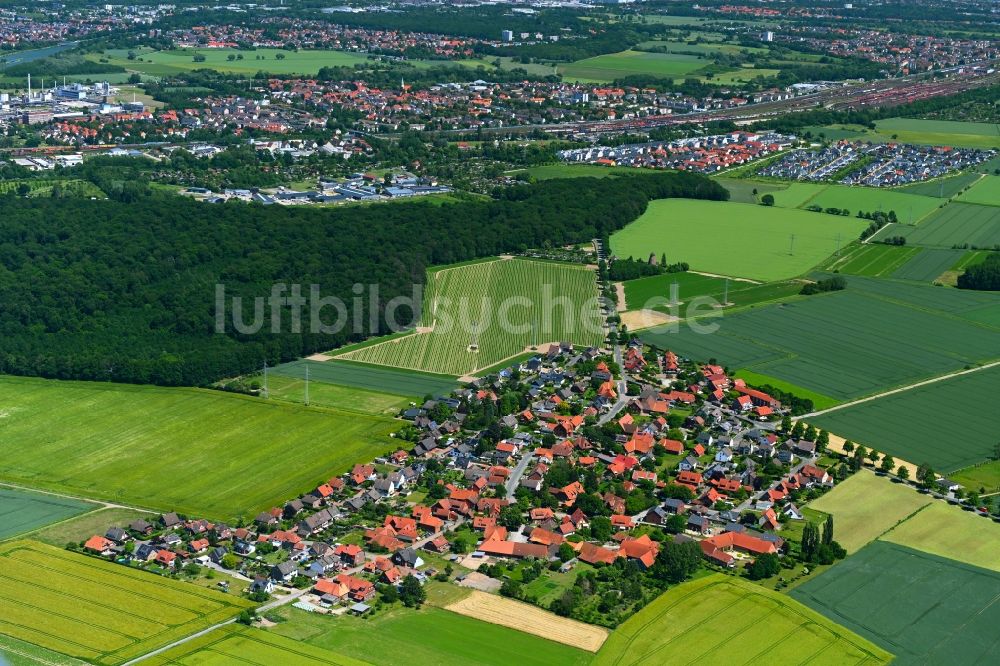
(166, 558)
(720, 548)
(408, 557)
(438, 545)
(100, 545)
(217, 553)
(262, 584)
(350, 554)
(140, 526)
(689, 464)
(594, 554)
(643, 549)
(170, 521)
(284, 572)
(145, 552)
(117, 534)
(698, 523)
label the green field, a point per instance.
(797, 195)
(746, 240)
(167, 63)
(386, 381)
(465, 307)
(650, 292)
(910, 208)
(938, 132)
(924, 609)
(549, 171)
(955, 224)
(98, 611)
(928, 264)
(873, 259)
(819, 400)
(24, 511)
(944, 188)
(322, 394)
(235, 644)
(906, 424)
(606, 68)
(984, 477)
(947, 531)
(194, 451)
(866, 506)
(876, 334)
(986, 192)
(429, 636)
(22, 653)
(742, 190)
(725, 620)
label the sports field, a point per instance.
(95, 610)
(604, 68)
(236, 644)
(947, 531)
(23, 511)
(426, 637)
(200, 452)
(866, 506)
(480, 314)
(876, 334)
(908, 424)
(387, 381)
(726, 620)
(654, 291)
(873, 259)
(986, 192)
(955, 224)
(924, 609)
(938, 132)
(275, 61)
(928, 264)
(758, 242)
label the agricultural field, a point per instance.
(426, 637)
(402, 383)
(722, 619)
(947, 531)
(167, 63)
(235, 644)
(24, 511)
(648, 291)
(955, 224)
(606, 68)
(937, 132)
(908, 424)
(322, 394)
(797, 195)
(464, 307)
(873, 260)
(924, 609)
(747, 241)
(866, 506)
(195, 451)
(530, 619)
(910, 208)
(928, 264)
(888, 334)
(986, 192)
(942, 188)
(94, 610)
(14, 652)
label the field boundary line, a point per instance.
(901, 389)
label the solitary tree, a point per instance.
(767, 200)
(903, 473)
(887, 464)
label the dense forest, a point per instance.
(125, 289)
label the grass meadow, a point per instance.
(425, 637)
(178, 61)
(720, 619)
(23, 511)
(746, 241)
(908, 424)
(87, 525)
(874, 335)
(947, 531)
(94, 610)
(463, 307)
(606, 68)
(195, 451)
(938, 132)
(924, 609)
(235, 644)
(909, 207)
